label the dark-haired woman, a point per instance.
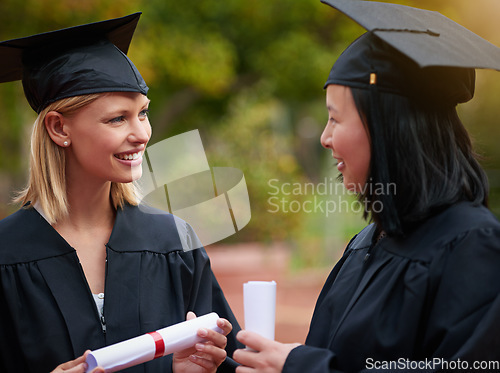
(418, 289)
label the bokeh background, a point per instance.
(249, 76)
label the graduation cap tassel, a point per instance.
(388, 218)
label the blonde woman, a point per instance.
(81, 265)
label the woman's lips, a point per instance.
(131, 159)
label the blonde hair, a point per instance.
(47, 173)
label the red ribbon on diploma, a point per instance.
(159, 343)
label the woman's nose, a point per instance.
(141, 131)
(326, 137)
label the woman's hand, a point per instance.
(267, 356)
(204, 357)
(76, 366)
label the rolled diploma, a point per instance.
(259, 302)
(149, 346)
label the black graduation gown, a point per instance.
(47, 312)
(400, 303)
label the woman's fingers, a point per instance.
(213, 337)
(225, 325)
(252, 340)
(209, 364)
(208, 351)
(77, 365)
(190, 315)
(265, 355)
(208, 354)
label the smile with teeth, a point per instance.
(129, 157)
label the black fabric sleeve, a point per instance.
(462, 325)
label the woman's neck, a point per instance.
(88, 226)
(89, 205)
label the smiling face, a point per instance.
(108, 138)
(347, 138)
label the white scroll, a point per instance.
(259, 300)
(152, 345)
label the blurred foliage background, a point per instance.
(249, 76)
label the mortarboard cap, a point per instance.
(410, 51)
(74, 61)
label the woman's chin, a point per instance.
(352, 186)
(132, 175)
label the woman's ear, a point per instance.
(56, 128)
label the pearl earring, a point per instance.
(66, 143)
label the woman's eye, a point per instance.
(117, 119)
(143, 114)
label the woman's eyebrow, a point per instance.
(331, 108)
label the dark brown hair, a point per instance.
(422, 149)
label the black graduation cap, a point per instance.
(74, 61)
(411, 51)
